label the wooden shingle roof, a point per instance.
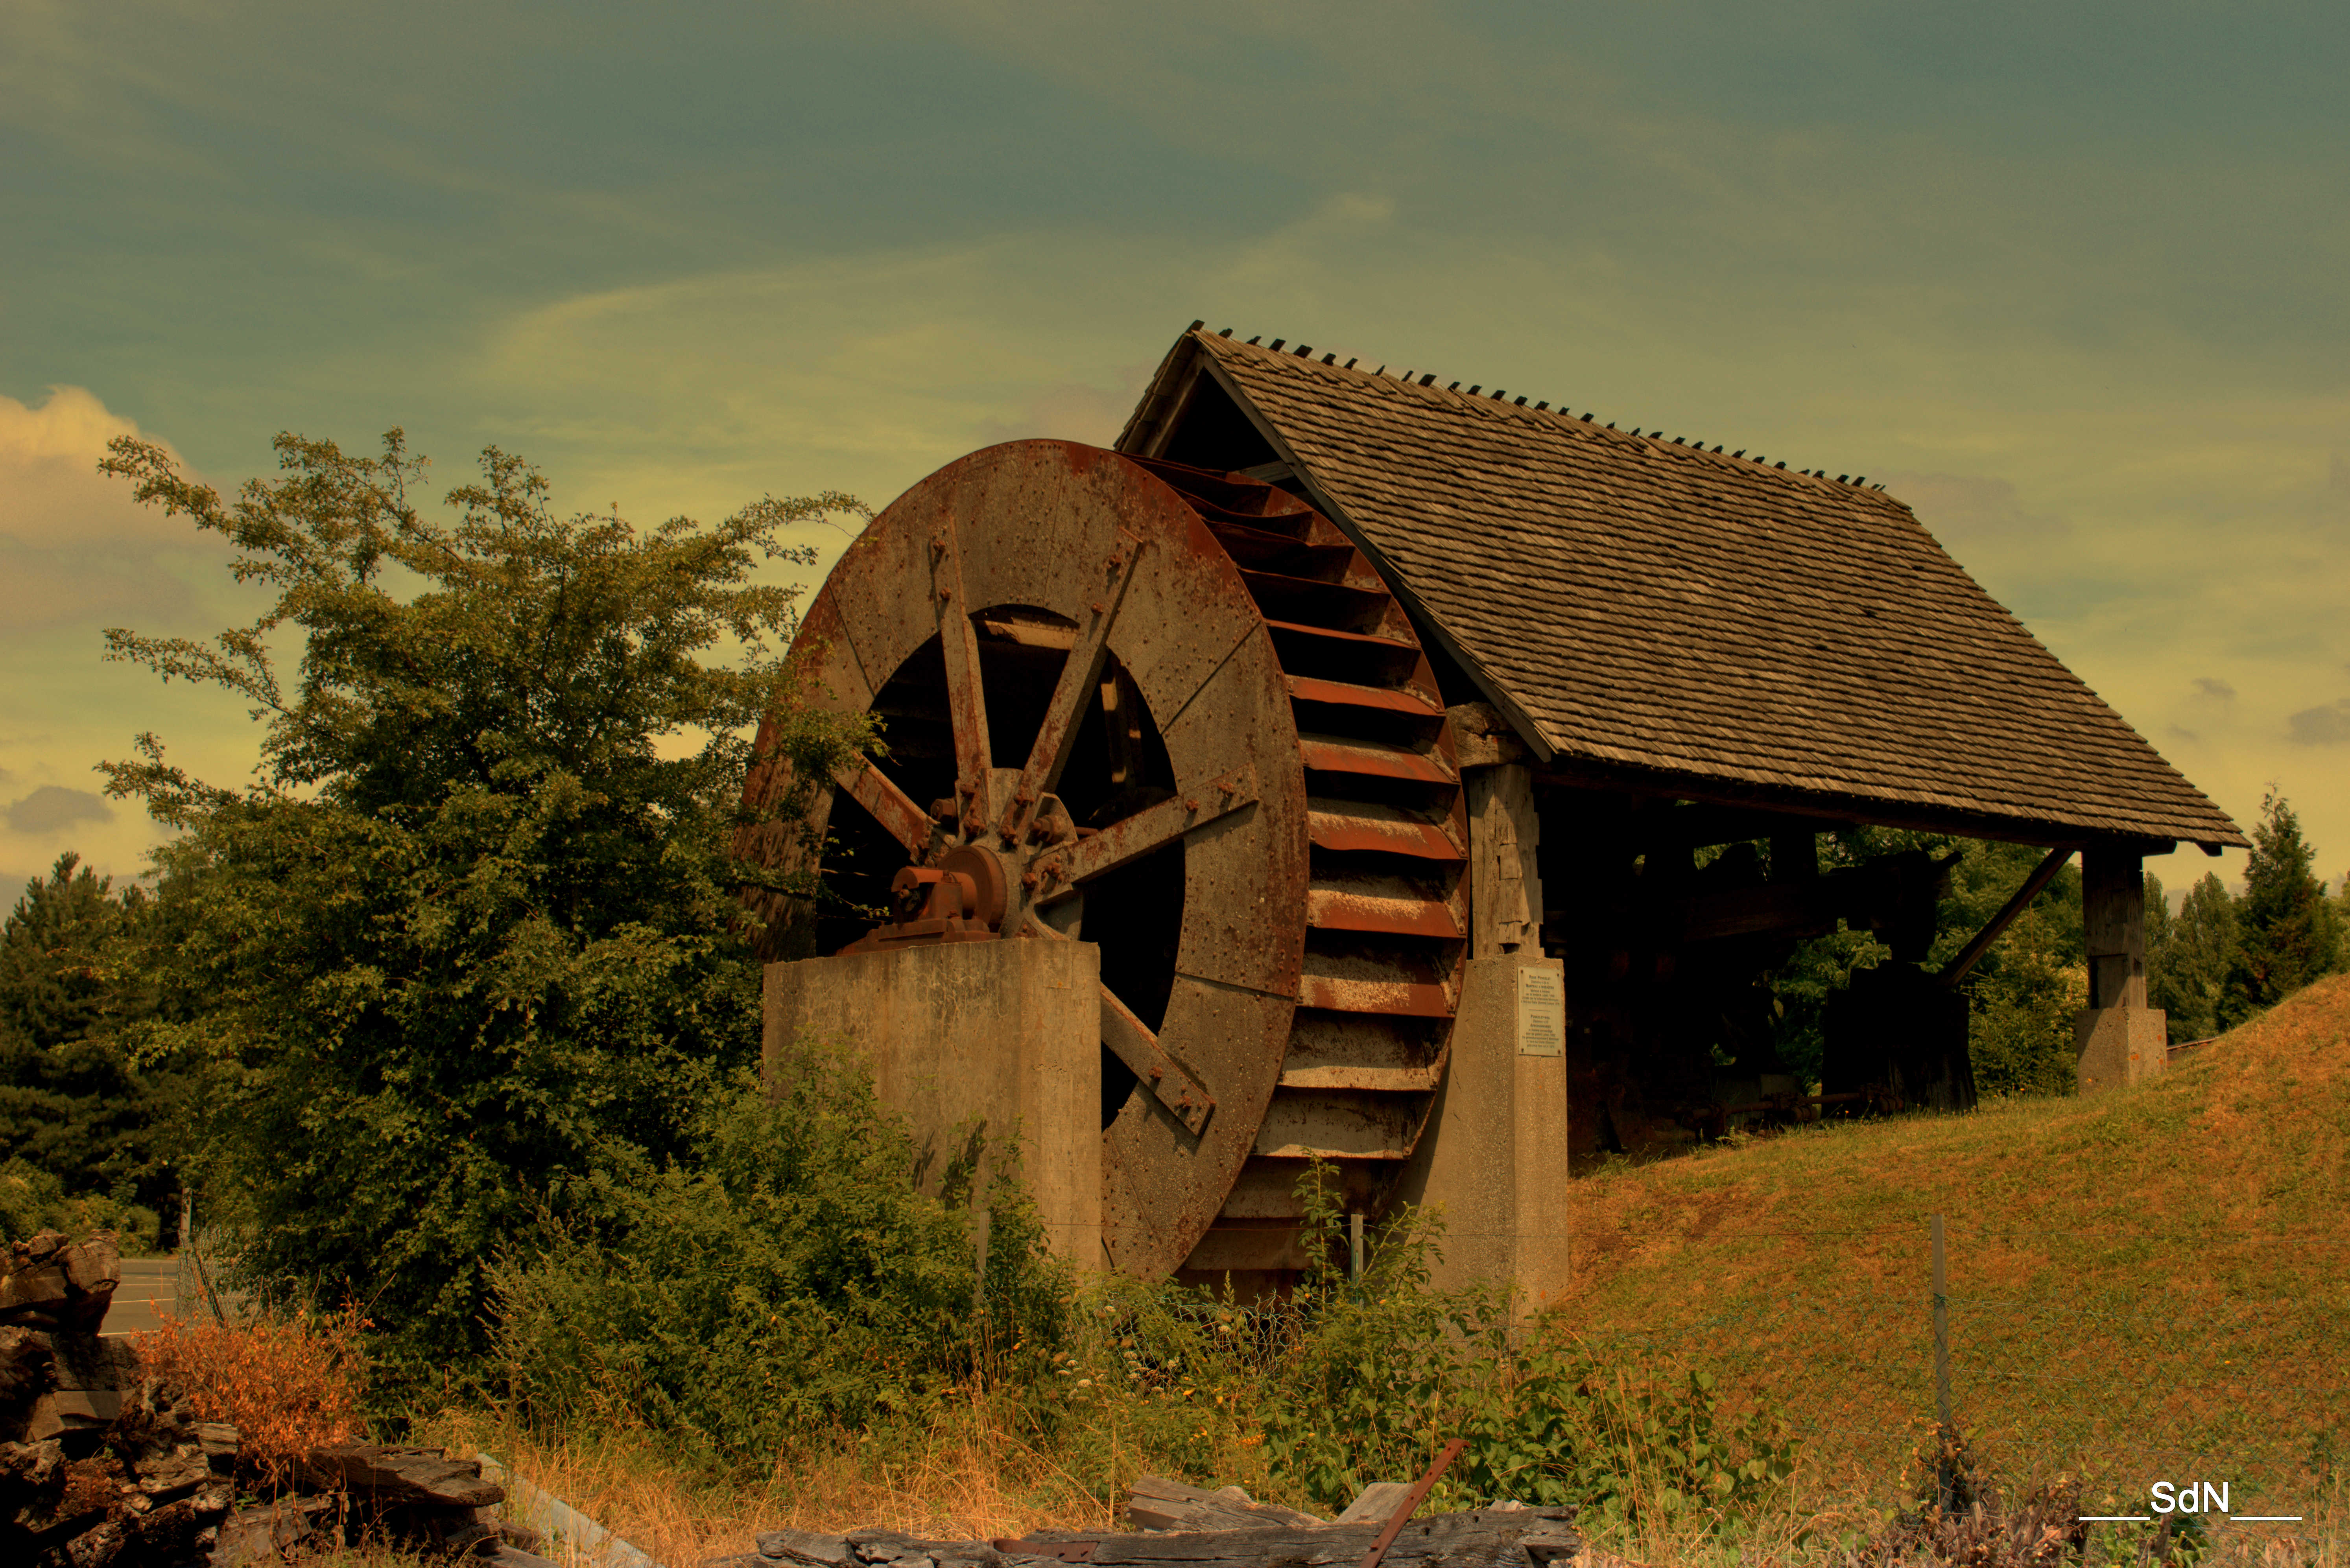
(1643, 607)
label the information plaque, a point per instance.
(1541, 1012)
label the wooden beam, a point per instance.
(2113, 916)
(1829, 810)
(2042, 874)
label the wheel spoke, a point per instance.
(888, 804)
(1153, 827)
(1133, 1043)
(966, 696)
(1080, 676)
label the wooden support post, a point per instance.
(2120, 1040)
(1505, 892)
(2113, 914)
(2042, 874)
(1946, 1435)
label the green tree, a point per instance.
(2285, 935)
(72, 1101)
(2187, 957)
(2157, 928)
(2021, 993)
(464, 955)
(2024, 992)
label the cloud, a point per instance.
(2212, 686)
(73, 547)
(1072, 410)
(2328, 725)
(53, 807)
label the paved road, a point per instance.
(149, 1293)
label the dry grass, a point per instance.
(287, 1385)
(2161, 1268)
(967, 1476)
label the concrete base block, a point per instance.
(1495, 1153)
(2119, 1045)
(1000, 1035)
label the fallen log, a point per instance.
(1486, 1536)
(803, 1546)
(1155, 1502)
(384, 1475)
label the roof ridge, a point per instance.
(1486, 403)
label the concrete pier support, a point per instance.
(1004, 1036)
(1495, 1154)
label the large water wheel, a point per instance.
(1176, 714)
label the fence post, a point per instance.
(986, 1213)
(1945, 1435)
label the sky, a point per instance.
(2066, 279)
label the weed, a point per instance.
(288, 1384)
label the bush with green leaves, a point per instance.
(33, 1200)
(2022, 992)
(782, 1278)
(1354, 1380)
(468, 952)
(1383, 1368)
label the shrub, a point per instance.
(33, 1200)
(289, 1385)
(789, 1288)
(1386, 1367)
(787, 1279)
(1351, 1381)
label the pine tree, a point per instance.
(2285, 931)
(71, 1102)
(2187, 963)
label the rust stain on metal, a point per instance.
(1332, 909)
(1352, 826)
(904, 821)
(1150, 635)
(1132, 1041)
(1344, 693)
(1406, 997)
(1411, 1502)
(1326, 753)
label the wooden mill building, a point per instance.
(1653, 649)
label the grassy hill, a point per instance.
(2149, 1283)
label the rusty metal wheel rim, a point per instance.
(1153, 583)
